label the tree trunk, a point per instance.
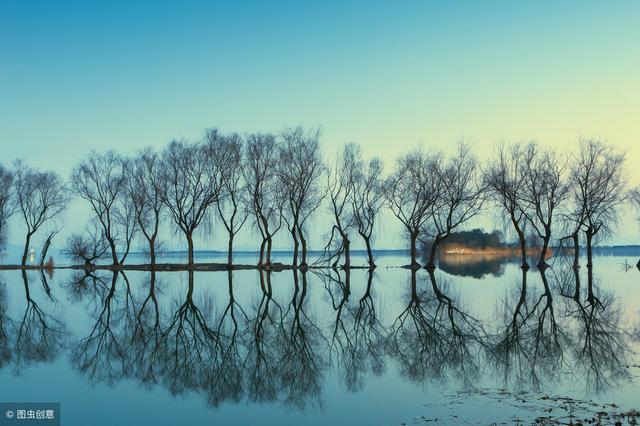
(230, 251)
(542, 262)
(576, 250)
(589, 249)
(523, 242)
(262, 246)
(414, 285)
(296, 244)
(45, 249)
(432, 255)
(523, 248)
(152, 251)
(591, 298)
(269, 244)
(190, 244)
(347, 252)
(367, 241)
(114, 253)
(369, 285)
(576, 293)
(303, 241)
(25, 254)
(414, 251)
(347, 283)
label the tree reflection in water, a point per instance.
(5, 324)
(543, 339)
(601, 345)
(265, 329)
(40, 336)
(147, 345)
(530, 345)
(278, 351)
(101, 356)
(302, 358)
(34, 336)
(434, 338)
(358, 336)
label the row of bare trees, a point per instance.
(558, 194)
(279, 181)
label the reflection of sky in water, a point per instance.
(380, 360)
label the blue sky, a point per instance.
(76, 76)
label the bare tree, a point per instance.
(231, 203)
(546, 189)
(412, 191)
(89, 247)
(367, 197)
(101, 180)
(265, 198)
(7, 205)
(145, 189)
(461, 197)
(598, 189)
(41, 197)
(299, 171)
(340, 187)
(506, 181)
(192, 184)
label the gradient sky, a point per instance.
(76, 76)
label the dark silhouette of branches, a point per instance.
(88, 248)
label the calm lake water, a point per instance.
(473, 343)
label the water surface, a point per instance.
(475, 344)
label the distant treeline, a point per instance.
(474, 239)
(275, 182)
